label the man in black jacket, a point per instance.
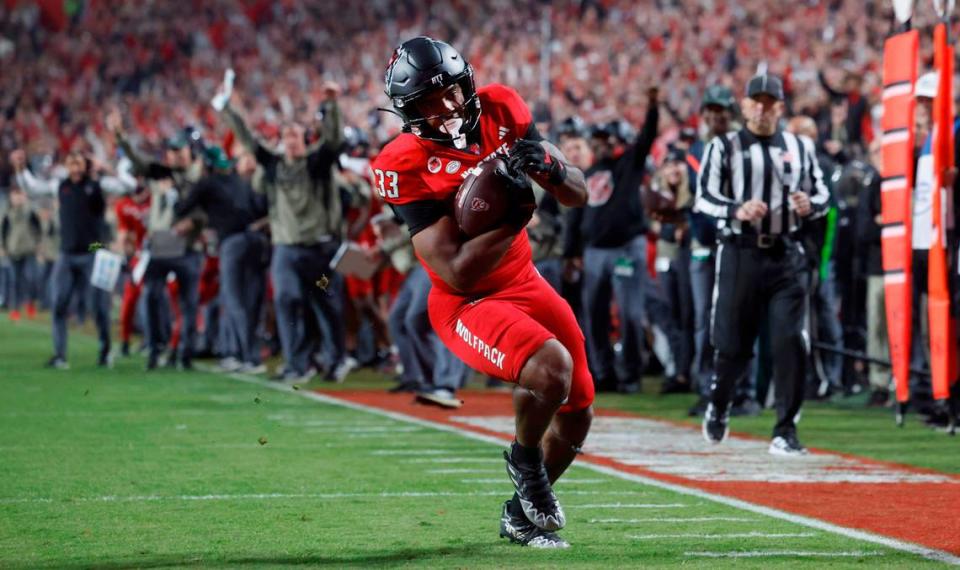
(232, 207)
(82, 229)
(609, 234)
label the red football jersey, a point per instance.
(410, 169)
(132, 217)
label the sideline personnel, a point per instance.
(760, 182)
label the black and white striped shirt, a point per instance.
(741, 166)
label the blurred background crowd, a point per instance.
(582, 66)
(66, 61)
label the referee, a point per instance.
(760, 182)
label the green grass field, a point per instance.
(120, 469)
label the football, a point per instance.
(483, 199)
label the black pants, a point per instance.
(752, 282)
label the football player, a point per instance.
(488, 304)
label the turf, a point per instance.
(118, 468)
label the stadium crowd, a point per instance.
(117, 96)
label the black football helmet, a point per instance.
(423, 66)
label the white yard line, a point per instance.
(783, 553)
(244, 497)
(855, 534)
(270, 496)
(197, 445)
(724, 535)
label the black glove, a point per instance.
(522, 200)
(530, 157)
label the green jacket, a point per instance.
(304, 203)
(20, 231)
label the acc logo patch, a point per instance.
(434, 165)
(479, 205)
(453, 166)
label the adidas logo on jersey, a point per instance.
(502, 132)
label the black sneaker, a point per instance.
(715, 425)
(787, 445)
(153, 361)
(125, 349)
(519, 530)
(535, 494)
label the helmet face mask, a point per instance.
(432, 90)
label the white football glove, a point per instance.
(219, 100)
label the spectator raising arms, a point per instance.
(306, 225)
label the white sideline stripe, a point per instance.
(460, 471)
(672, 519)
(721, 536)
(266, 496)
(632, 506)
(781, 553)
(856, 534)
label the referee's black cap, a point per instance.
(765, 84)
